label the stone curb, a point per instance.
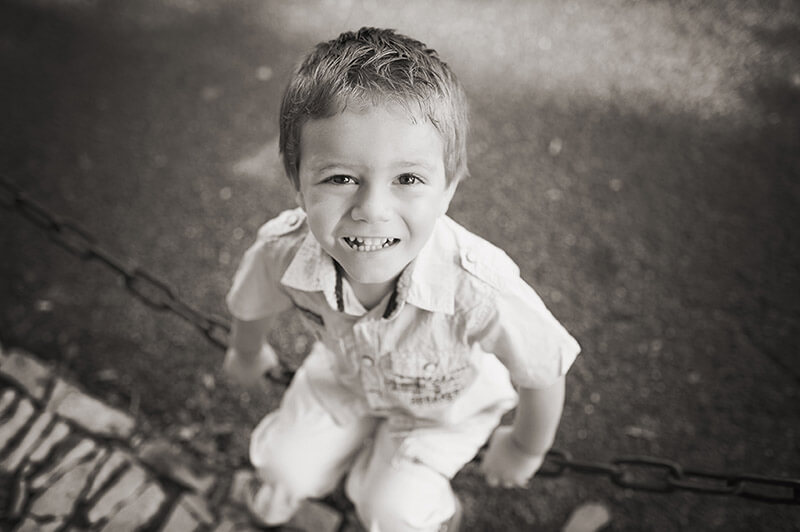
(73, 463)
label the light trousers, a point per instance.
(397, 481)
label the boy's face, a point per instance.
(372, 183)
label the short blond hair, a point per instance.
(375, 67)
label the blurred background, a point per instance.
(639, 160)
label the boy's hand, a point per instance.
(249, 370)
(506, 464)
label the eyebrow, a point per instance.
(325, 166)
(416, 164)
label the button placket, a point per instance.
(370, 375)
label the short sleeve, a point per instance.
(256, 291)
(526, 337)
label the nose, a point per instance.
(371, 205)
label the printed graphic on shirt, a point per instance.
(421, 381)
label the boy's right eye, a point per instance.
(340, 179)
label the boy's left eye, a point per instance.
(340, 179)
(408, 179)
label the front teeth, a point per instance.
(368, 243)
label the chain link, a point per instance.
(767, 489)
(151, 291)
(74, 239)
(641, 473)
(36, 214)
(645, 474)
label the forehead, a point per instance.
(371, 136)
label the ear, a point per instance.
(448, 197)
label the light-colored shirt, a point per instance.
(438, 349)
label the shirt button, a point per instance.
(470, 256)
(429, 367)
(367, 361)
(292, 220)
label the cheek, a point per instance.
(421, 222)
(326, 204)
(323, 218)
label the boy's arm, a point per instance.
(515, 453)
(537, 417)
(537, 351)
(247, 336)
(249, 356)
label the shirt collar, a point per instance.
(427, 283)
(312, 270)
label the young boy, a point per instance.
(421, 326)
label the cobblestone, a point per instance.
(234, 519)
(181, 520)
(32, 525)
(70, 460)
(198, 507)
(588, 517)
(57, 434)
(125, 488)
(59, 499)
(225, 526)
(138, 512)
(240, 485)
(19, 497)
(76, 461)
(115, 462)
(6, 400)
(316, 516)
(13, 460)
(26, 371)
(91, 414)
(11, 428)
(169, 461)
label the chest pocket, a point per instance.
(416, 380)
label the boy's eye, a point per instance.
(340, 179)
(408, 179)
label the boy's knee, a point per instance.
(285, 469)
(407, 506)
(284, 485)
(280, 461)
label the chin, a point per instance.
(364, 274)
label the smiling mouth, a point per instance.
(369, 243)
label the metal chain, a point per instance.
(640, 473)
(149, 289)
(657, 475)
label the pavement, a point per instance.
(71, 462)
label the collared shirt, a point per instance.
(430, 350)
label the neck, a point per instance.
(371, 294)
